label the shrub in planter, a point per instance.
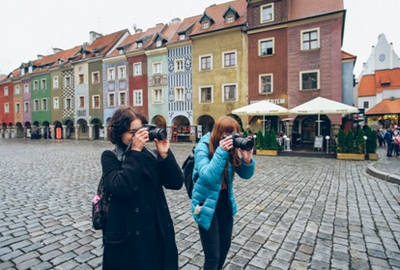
(349, 144)
(360, 142)
(371, 141)
(259, 140)
(272, 144)
(341, 147)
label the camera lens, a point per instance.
(243, 143)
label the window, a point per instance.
(96, 102)
(157, 95)
(122, 72)
(68, 104)
(36, 105)
(17, 90)
(182, 36)
(95, 77)
(5, 91)
(158, 43)
(55, 82)
(229, 59)
(309, 80)
(205, 24)
(310, 39)
(267, 13)
(266, 47)
(137, 69)
(140, 44)
(44, 104)
(179, 65)
(206, 93)
(230, 19)
(265, 84)
(35, 85)
(17, 107)
(81, 101)
(111, 99)
(122, 98)
(366, 104)
(81, 79)
(156, 68)
(56, 103)
(6, 108)
(229, 92)
(43, 84)
(26, 106)
(179, 94)
(138, 98)
(26, 88)
(206, 62)
(111, 74)
(68, 81)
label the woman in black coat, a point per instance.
(139, 232)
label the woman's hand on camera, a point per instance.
(140, 139)
(226, 143)
(246, 155)
(162, 147)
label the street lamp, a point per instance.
(327, 143)
(365, 145)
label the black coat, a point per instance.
(139, 232)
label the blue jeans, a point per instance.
(217, 240)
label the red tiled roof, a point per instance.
(128, 41)
(167, 33)
(387, 79)
(184, 27)
(386, 106)
(105, 43)
(148, 36)
(2, 77)
(348, 56)
(216, 12)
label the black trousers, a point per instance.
(217, 240)
(389, 149)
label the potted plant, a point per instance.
(267, 145)
(350, 148)
(372, 136)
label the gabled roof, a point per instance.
(206, 17)
(185, 27)
(166, 35)
(233, 11)
(386, 106)
(382, 80)
(146, 38)
(348, 56)
(216, 12)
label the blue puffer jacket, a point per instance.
(208, 185)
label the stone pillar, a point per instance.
(41, 132)
(52, 131)
(76, 132)
(64, 132)
(90, 126)
(105, 132)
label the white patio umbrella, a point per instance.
(320, 105)
(263, 108)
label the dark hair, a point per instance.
(120, 123)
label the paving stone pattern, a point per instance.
(296, 213)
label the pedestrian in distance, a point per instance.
(213, 202)
(138, 232)
(389, 142)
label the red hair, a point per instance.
(224, 125)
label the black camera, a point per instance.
(241, 142)
(156, 133)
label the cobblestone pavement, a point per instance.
(388, 164)
(296, 213)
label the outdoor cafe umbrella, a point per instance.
(263, 108)
(320, 105)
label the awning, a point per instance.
(386, 106)
(322, 105)
(261, 108)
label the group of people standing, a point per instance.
(139, 232)
(391, 139)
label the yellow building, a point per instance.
(220, 63)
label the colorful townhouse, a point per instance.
(157, 70)
(7, 116)
(180, 91)
(25, 70)
(134, 48)
(88, 63)
(294, 56)
(18, 103)
(220, 54)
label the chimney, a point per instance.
(93, 36)
(175, 20)
(40, 56)
(159, 24)
(56, 50)
(136, 29)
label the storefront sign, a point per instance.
(277, 101)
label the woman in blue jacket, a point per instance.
(213, 202)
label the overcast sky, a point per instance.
(34, 27)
